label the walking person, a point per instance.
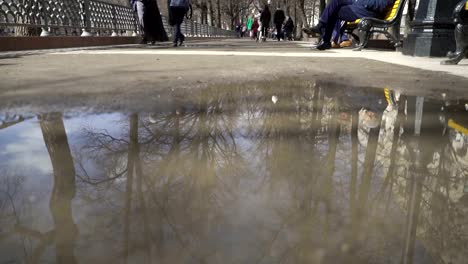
(139, 8)
(250, 20)
(149, 18)
(254, 30)
(278, 19)
(178, 9)
(265, 18)
(288, 28)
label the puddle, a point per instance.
(242, 175)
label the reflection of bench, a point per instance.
(460, 18)
(368, 25)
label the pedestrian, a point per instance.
(149, 19)
(345, 10)
(250, 21)
(265, 18)
(288, 28)
(178, 9)
(278, 19)
(238, 30)
(254, 32)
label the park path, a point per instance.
(123, 74)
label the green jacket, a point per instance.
(249, 23)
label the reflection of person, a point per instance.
(346, 10)
(178, 10)
(278, 19)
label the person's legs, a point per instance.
(331, 10)
(344, 12)
(140, 7)
(181, 36)
(175, 35)
(177, 17)
(264, 31)
(336, 32)
(278, 31)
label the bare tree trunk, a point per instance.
(210, 13)
(218, 7)
(303, 18)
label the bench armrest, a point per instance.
(379, 21)
(458, 11)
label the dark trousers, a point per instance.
(264, 31)
(338, 33)
(334, 11)
(279, 33)
(177, 17)
(178, 36)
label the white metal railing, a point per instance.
(83, 18)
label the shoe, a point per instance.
(182, 41)
(174, 45)
(318, 29)
(346, 44)
(323, 45)
(334, 45)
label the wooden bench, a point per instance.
(460, 18)
(366, 26)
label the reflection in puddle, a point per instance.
(294, 175)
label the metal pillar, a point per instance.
(86, 18)
(432, 31)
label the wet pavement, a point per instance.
(306, 173)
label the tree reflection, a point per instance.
(65, 232)
(318, 175)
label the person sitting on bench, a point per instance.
(347, 10)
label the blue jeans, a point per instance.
(338, 35)
(336, 10)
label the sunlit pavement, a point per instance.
(122, 75)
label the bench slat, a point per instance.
(392, 12)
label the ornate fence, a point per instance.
(84, 18)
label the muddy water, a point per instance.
(247, 175)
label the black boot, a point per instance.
(182, 39)
(322, 45)
(318, 29)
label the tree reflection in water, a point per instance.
(229, 176)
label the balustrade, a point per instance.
(82, 17)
